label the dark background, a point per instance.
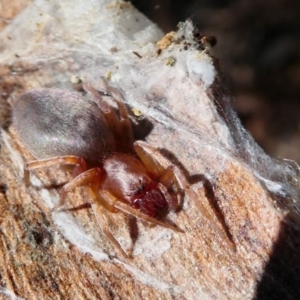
(259, 52)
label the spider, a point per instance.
(61, 127)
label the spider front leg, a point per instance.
(103, 199)
(167, 175)
(170, 175)
(121, 206)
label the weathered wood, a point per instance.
(179, 106)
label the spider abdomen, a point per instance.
(65, 122)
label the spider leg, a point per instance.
(78, 162)
(162, 171)
(172, 175)
(111, 118)
(121, 206)
(91, 178)
(121, 127)
(175, 175)
(100, 220)
(173, 202)
(154, 162)
(126, 128)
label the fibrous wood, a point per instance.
(178, 104)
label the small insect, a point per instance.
(61, 127)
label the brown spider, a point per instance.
(120, 174)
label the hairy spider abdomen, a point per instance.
(54, 122)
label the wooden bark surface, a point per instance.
(38, 263)
(40, 258)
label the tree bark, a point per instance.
(179, 105)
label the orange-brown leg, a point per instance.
(91, 178)
(121, 206)
(78, 162)
(112, 204)
(99, 217)
(175, 200)
(125, 128)
(110, 116)
(169, 175)
(155, 164)
(120, 127)
(163, 172)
